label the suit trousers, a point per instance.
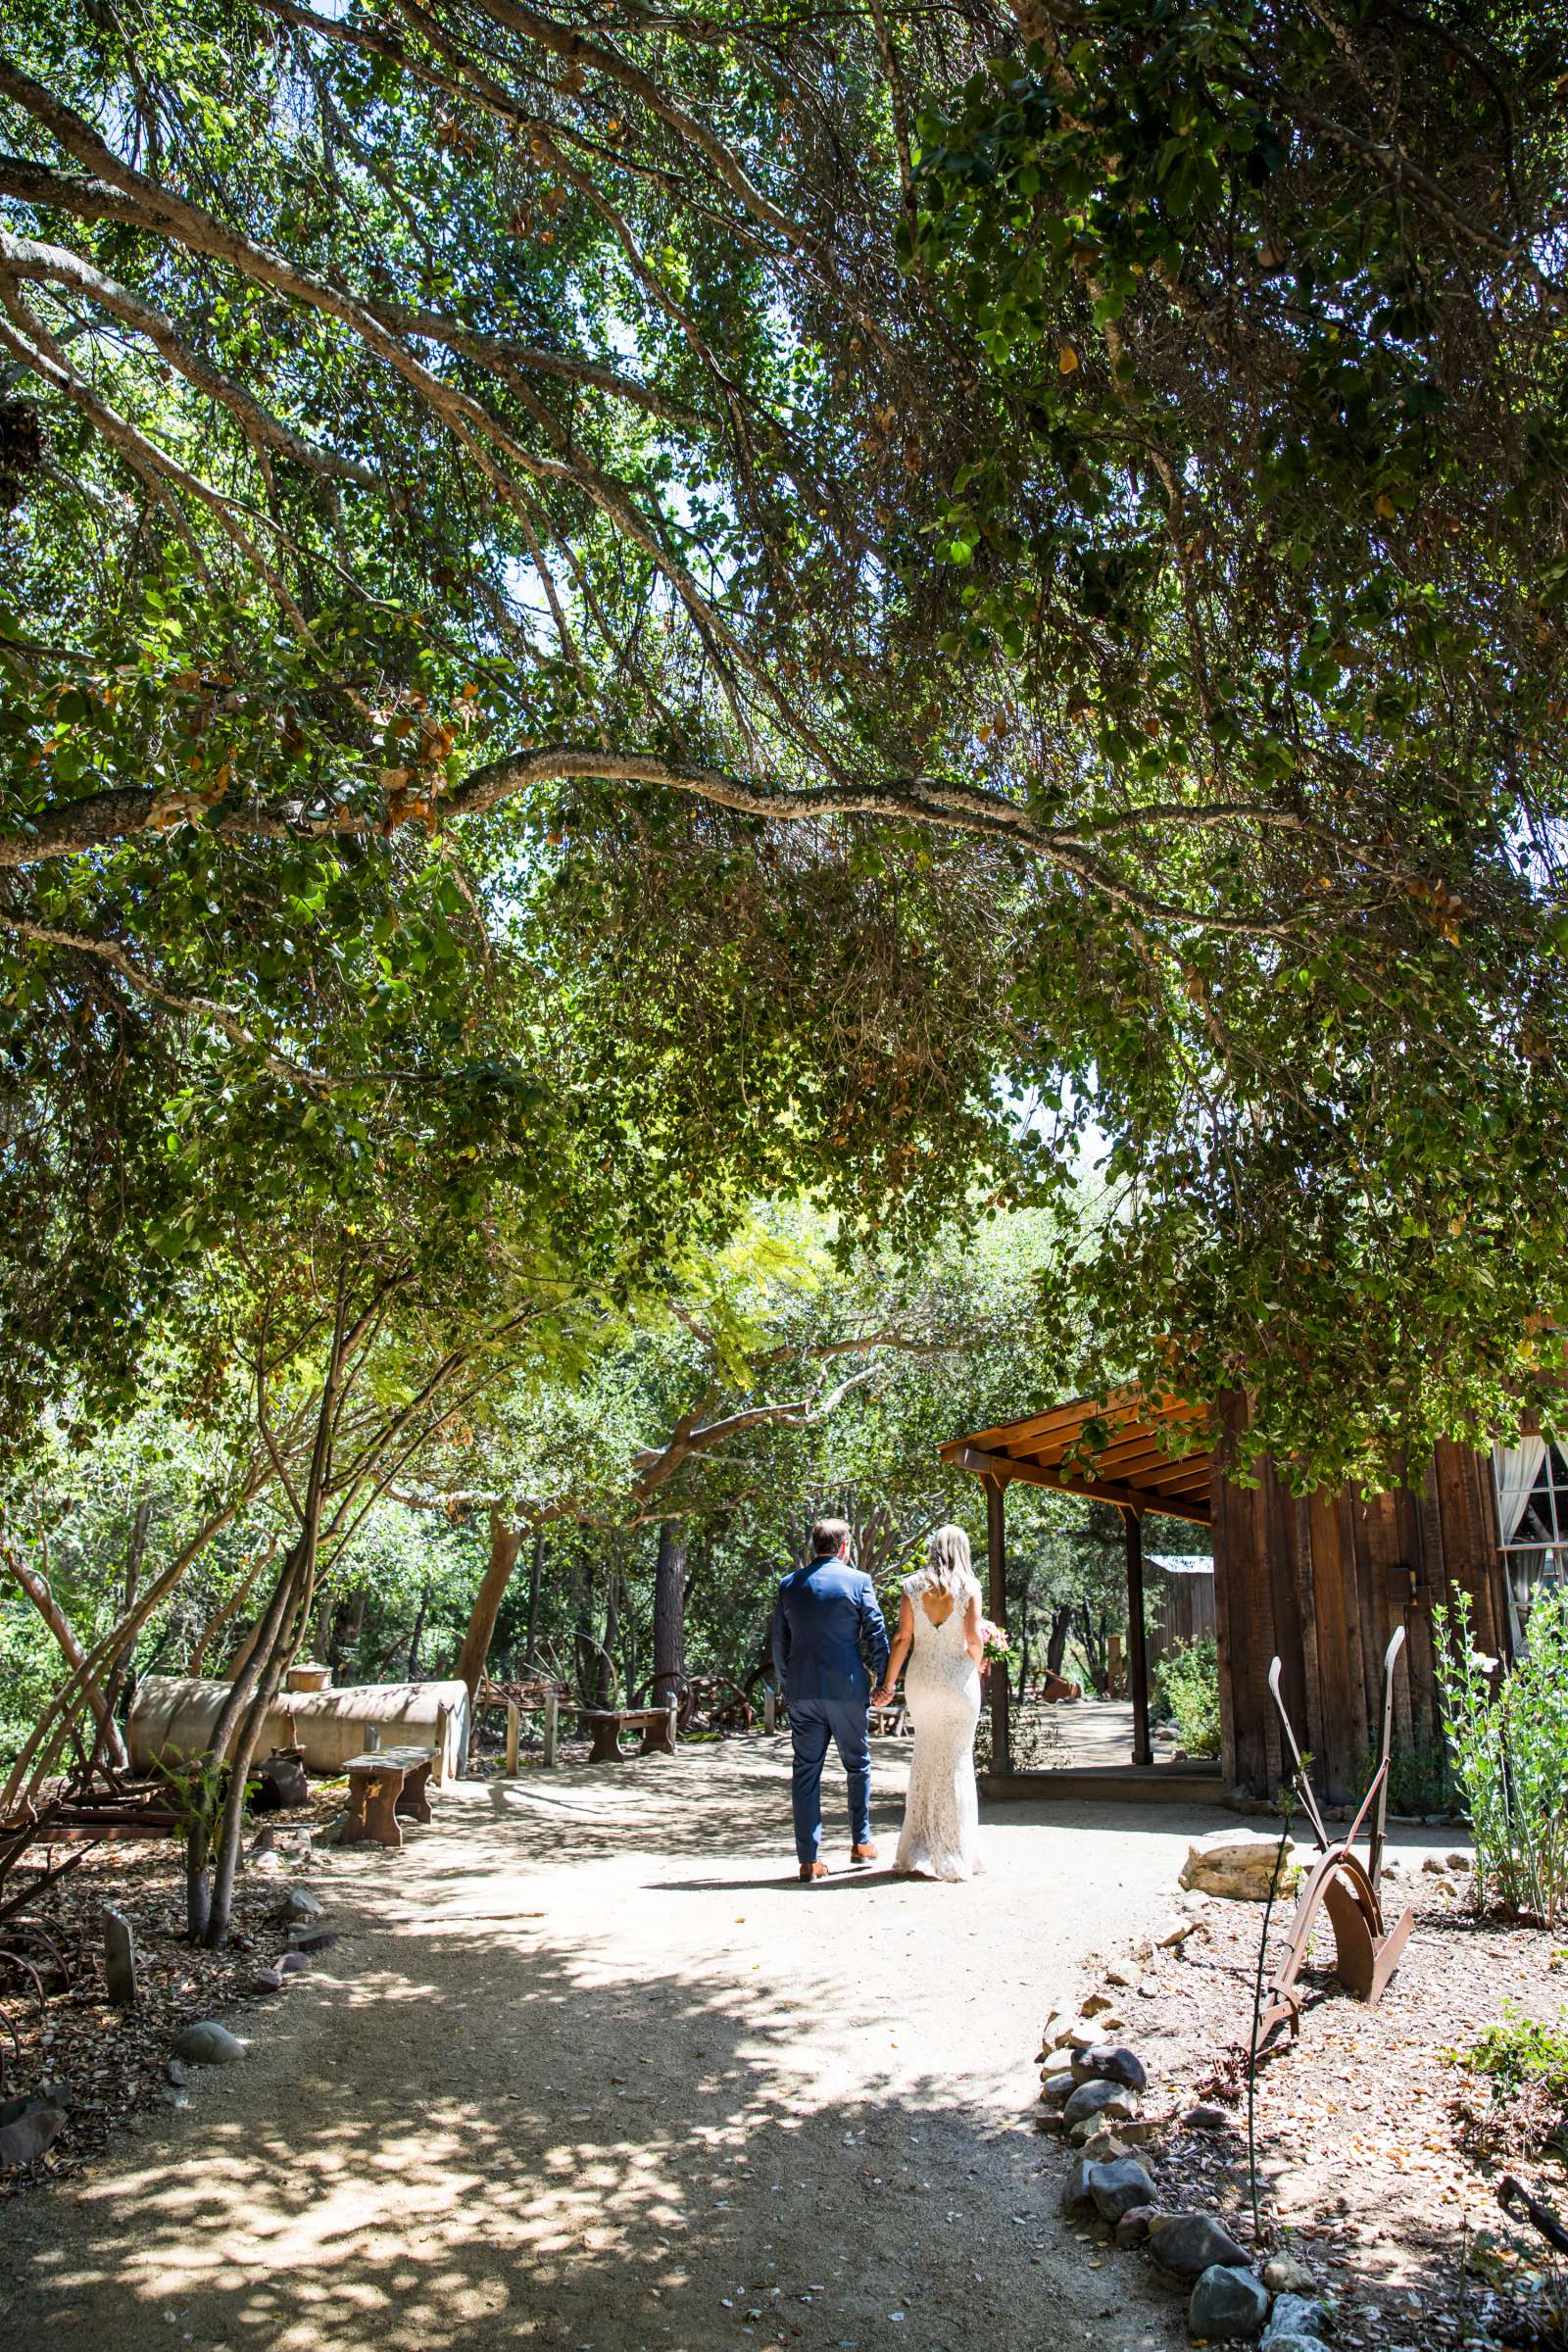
(812, 1723)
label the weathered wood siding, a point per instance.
(1321, 1582)
(1177, 1610)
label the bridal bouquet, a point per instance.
(998, 1650)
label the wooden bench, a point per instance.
(382, 1785)
(606, 1725)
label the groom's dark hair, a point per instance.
(828, 1535)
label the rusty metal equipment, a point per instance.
(1341, 1882)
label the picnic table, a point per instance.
(606, 1725)
(382, 1783)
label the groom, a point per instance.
(825, 1616)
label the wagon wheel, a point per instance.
(734, 1714)
(688, 1693)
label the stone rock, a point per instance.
(1206, 2119)
(1237, 1864)
(298, 1907)
(266, 1979)
(1292, 2343)
(1096, 2005)
(208, 2043)
(1055, 2032)
(1227, 2303)
(1091, 2099)
(1102, 2145)
(292, 1963)
(1118, 2187)
(1458, 1861)
(1434, 1866)
(1178, 1935)
(13, 2110)
(119, 1959)
(174, 2072)
(1077, 2192)
(174, 2095)
(1058, 2089)
(1289, 2277)
(311, 1939)
(1121, 1978)
(1081, 2036)
(267, 1864)
(24, 2139)
(1296, 2315)
(1186, 2244)
(1132, 2228)
(1111, 2062)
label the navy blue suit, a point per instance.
(825, 1624)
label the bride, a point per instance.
(939, 1633)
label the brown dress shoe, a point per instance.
(862, 1853)
(811, 1871)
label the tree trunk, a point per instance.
(1095, 1651)
(1056, 1646)
(1023, 1631)
(285, 1647)
(536, 1569)
(231, 1606)
(243, 1713)
(36, 1587)
(135, 1552)
(505, 1544)
(418, 1630)
(670, 1612)
(586, 1650)
(604, 1687)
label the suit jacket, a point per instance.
(826, 1615)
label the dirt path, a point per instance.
(589, 2069)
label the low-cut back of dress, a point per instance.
(942, 1690)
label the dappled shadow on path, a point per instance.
(544, 2105)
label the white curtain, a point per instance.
(1516, 1469)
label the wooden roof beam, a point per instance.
(1031, 1474)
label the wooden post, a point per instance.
(514, 1719)
(119, 1959)
(552, 1716)
(1137, 1639)
(997, 1560)
(770, 1712)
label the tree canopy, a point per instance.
(953, 580)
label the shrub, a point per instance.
(1524, 2063)
(1420, 1779)
(1187, 1686)
(1508, 1745)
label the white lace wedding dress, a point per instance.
(941, 1835)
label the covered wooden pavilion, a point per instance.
(1318, 1580)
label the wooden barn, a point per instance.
(1319, 1580)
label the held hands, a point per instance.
(882, 1696)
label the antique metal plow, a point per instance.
(1342, 1883)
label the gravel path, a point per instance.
(589, 2069)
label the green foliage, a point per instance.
(1519, 2050)
(1186, 1687)
(1523, 2062)
(1420, 1778)
(1510, 1749)
(907, 609)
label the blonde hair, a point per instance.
(946, 1563)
